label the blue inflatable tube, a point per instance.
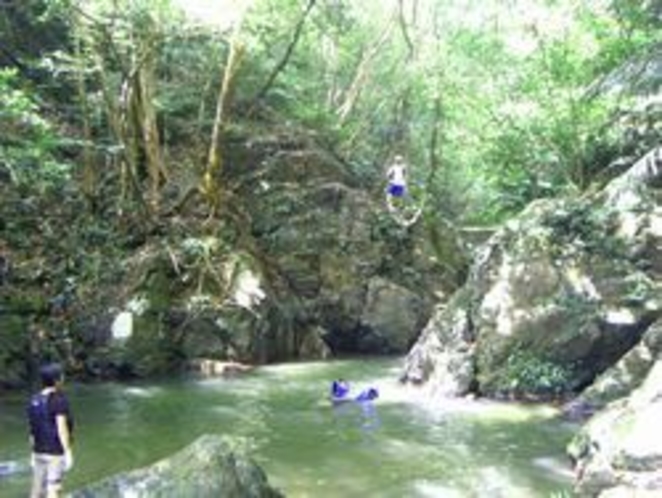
(340, 393)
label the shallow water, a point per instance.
(399, 446)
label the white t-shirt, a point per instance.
(396, 174)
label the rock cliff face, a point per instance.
(366, 281)
(306, 263)
(554, 298)
(302, 261)
(208, 467)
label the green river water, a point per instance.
(400, 446)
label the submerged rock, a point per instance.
(209, 467)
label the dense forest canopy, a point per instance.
(493, 103)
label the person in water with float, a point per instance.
(340, 393)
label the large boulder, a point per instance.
(618, 453)
(640, 75)
(622, 378)
(392, 318)
(210, 466)
(443, 356)
(556, 296)
(196, 300)
(333, 244)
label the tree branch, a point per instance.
(403, 28)
(286, 57)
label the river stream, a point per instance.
(401, 445)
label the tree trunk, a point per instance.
(150, 134)
(435, 155)
(288, 53)
(90, 177)
(210, 186)
(116, 115)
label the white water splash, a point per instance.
(143, 392)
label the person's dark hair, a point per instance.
(50, 374)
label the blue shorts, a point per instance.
(396, 190)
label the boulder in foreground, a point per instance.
(209, 467)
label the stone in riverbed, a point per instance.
(210, 467)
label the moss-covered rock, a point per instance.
(618, 448)
(555, 297)
(624, 377)
(210, 466)
(443, 357)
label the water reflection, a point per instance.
(356, 414)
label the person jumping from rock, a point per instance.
(397, 181)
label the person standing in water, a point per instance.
(51, 426)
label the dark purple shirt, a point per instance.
(42, 413)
